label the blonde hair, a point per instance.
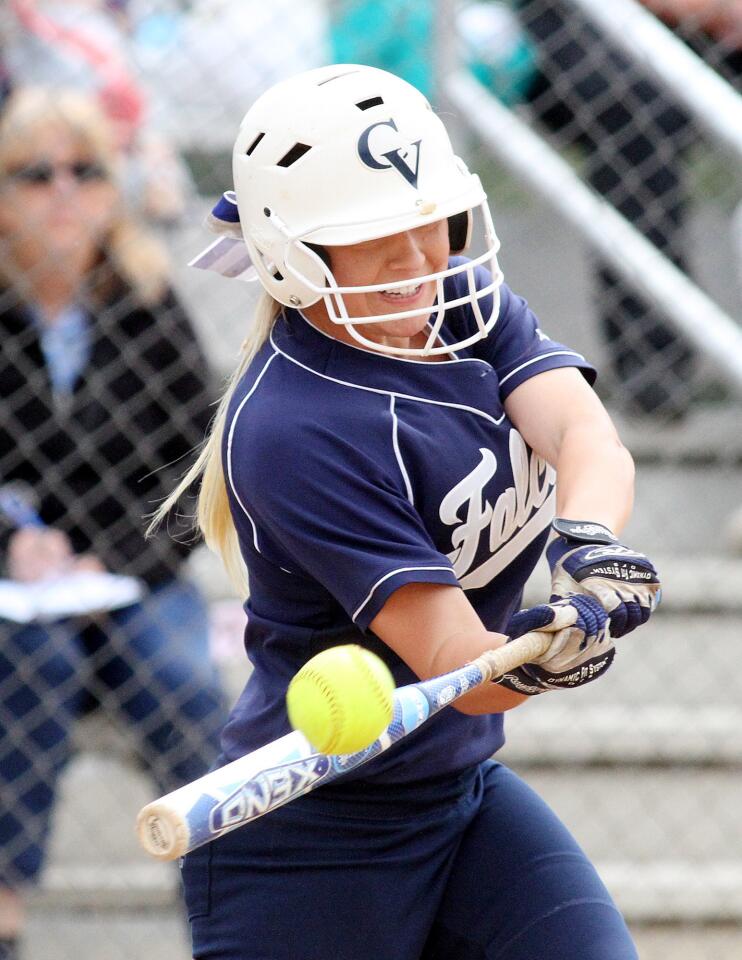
(29, 113)
(213, 516)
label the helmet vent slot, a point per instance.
(254, 144)
(371, 102)
(295, 153)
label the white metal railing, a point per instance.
(712, 101)
(532, 160)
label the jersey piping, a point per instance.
(230, 438)
(398, 452)
(388, 393)
(538, 359)
(392, 573)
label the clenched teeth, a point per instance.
(402, 291)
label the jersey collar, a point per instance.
(445, 381)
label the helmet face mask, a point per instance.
(346, 154)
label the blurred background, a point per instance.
(609, 139)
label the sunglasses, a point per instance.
(44, 173)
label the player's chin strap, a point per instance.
(228, 255)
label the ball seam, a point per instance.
(337, 714)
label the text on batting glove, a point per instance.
(581, 649)
(587, 559)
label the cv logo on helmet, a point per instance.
(377, 150)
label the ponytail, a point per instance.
(213, 516)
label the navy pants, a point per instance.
(147, 663)
(474, 868)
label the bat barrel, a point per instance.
(288, 767)
(172, 825)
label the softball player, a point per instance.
(384, 465)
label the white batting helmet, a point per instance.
(344, 154)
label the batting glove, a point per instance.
(586, 558)
(580, 651)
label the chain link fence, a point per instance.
(615, 190)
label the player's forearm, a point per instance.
(595, 476)
(462, 647)
(434, 629)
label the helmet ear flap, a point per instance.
(293, 288)
(459, 231)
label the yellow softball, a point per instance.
(341, 699)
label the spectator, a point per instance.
(635, 136)
(86, 44)
(103, 388)
(720, 20)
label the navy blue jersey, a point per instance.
(351, 473)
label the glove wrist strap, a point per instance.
(583, 531)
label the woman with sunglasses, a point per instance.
(102, 386)
(383, 468)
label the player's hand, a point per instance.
(587, 558)
(580, 651)
(38, 553)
